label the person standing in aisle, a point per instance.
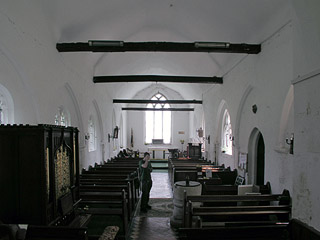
(145, 169)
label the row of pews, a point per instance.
(253, 216)
(195, 169)
(110, 193)
(227, 210)
(108, 196)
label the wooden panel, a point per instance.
(27, 173)
(8, 179)
(30, 181)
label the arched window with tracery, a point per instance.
(227, 138)
(158, 122)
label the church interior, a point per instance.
(223, 95)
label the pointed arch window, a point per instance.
(92, 135)
(6, 106)
(62, 118)
(2, 109)
(158, 123)
(227, 138)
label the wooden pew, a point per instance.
(179, 169)
(213, 189)
(106, 204)
(210, 189)
(113, 188)
(109, 181)
(260, 232)
(247, 207)
(100, 185)
(249, 221)
(55, 233)
(179, 174)
(112, 170)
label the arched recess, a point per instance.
(256, 158)
(239, 114)
(121, 135)
(6, 106)
(114, 124)
(98, 113)
(198, 123)
(77, 109)
(287, 112)
(222, 107)
(220, 156)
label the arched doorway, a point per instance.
(260, 161)
(256, 158)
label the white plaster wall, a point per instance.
(249, 83)
(306, 42)
(41, 80)
(307, 150)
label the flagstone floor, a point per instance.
(149, 227)
(161, 187)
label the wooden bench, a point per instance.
(253, 220)
(106, 204)
(227, 177)
(260, 232)
(113, 188)
(213, 189)
(246, 208)
(55, 233)
(96, 180)
(210, 189)
(178, 172)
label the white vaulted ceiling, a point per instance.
(235, 21)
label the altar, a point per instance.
(158, 152)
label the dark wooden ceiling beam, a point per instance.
(146, 101)
(157, 78)
(119, 46)
(158, 109)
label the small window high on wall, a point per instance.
(6, 106)
(158, 123)
(1, 113)
(227, 138)
(92, 135)
(62, 117)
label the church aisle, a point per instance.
(161, 187)
(155, 224)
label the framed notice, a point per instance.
(208, 173)
(243, 157)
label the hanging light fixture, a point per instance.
(100, 43)
(212, 45)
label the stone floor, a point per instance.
(161, 187)
(151, 227)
